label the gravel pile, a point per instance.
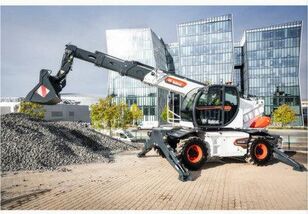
(31, 144)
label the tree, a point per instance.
(164, 113)
(97, 112)
(110, 116)
(136, 113)
(32, 109)
(107, 114)
(283, 115)
(124, 116)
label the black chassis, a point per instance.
(161, 138)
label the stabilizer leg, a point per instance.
(156, 139)
(148, 145)
(281, 156)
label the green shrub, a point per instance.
(32, 109)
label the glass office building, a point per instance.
(265, 63)
(142, 45)
(238, 67)
(206, 49)
(174, 99)
(271, 66)
(173, 49)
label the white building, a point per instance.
(8, 107)
(75, 107)
(67, 112)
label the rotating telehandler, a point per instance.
(215, 121)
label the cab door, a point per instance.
(217, 106)
(208, 108)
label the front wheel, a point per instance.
(194, 153)
(259, 152)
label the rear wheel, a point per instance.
(259, 152)
(193, 153)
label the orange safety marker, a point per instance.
(175, 81)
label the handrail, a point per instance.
(175, 117)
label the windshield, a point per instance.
(187, 105)
(217, 106)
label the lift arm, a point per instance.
(47, 91)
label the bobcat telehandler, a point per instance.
(215, 121)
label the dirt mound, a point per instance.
(31, 144)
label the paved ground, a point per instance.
(151, 183)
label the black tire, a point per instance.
(193, 153)
(259, 152)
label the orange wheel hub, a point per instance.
(194, 153)
(261, 151)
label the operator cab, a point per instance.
(213, 106)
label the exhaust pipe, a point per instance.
(47, 91)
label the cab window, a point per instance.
(231, 104)
(217, 106)
(209, 107)
(187, 106)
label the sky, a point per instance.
(34, 37)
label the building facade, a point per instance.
(173, 49)
(206, 49)
(238, 72)
(305, 111)
(271, 66)
(264, 64)
(143, 45)
(60, 112)
(67, 112)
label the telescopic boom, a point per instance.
(49, 87)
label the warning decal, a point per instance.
(42, 91)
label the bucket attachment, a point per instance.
(47, 91)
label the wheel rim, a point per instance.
(194, 153)
(261, 151)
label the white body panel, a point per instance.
(251, 110)
(158, 78)
(248, 109)
(186, 124)
(221, 143)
